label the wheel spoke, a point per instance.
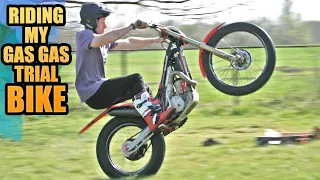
(119, 161)
(235, 79)
(238, 79)
(235, 50)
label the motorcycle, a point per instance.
(177, 89)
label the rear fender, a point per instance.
(206, 39)
(104, 113)
(124, 112)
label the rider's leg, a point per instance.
(138, 79)
(147, 87)
(140, 91)
(116, 90)
(123, 88)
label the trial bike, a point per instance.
(220, 52)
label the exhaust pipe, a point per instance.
(182, 76)
(195, 94)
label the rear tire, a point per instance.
(264, 76)
(103, 142)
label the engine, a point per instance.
(178, 103)
(182, 97)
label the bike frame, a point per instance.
(185, 74)
(175, 64)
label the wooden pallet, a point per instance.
(289, 138)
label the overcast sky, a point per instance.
(309, 10)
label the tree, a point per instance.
(291, 29)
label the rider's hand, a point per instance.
(140, 24)
(160, 40)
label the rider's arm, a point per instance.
(108, 37)
(135, 43)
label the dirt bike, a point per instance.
(178, 89)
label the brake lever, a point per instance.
(154, 25)
(151, 25)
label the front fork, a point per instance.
(142, 138)
(146, 134)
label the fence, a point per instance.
(296, 77)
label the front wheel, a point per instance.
(146, 161)
(250, 74)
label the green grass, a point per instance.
(51, 148)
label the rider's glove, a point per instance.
(139, 25)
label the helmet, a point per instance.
(91, 12)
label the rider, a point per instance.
(92, 47)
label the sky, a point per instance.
(309, 10)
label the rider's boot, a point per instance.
(155, 101)
(150, 111)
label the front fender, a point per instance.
(206, 39)
(100, 116)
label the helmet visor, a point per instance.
(103, 12)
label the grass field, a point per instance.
(51, 148)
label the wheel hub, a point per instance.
(133, 156)
(125, 149)
(243, 61)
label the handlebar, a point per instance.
(168, 32)
(156, 27)
(165, 30)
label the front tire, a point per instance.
(263, 78)
(103, 147)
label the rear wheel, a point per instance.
(146, 161)
(250, 74)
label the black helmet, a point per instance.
(91, 12)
